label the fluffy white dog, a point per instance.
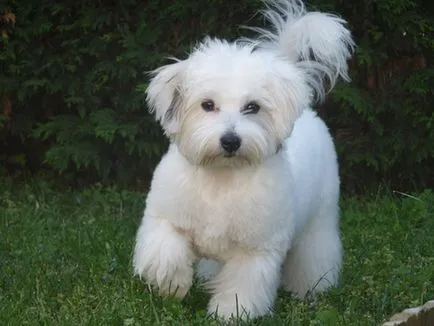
(250, 181)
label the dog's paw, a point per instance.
(163, 258)
(166, 266)
(231, 305)
(176, 283)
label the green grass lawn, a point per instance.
(65, 259)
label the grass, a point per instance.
(65, 259)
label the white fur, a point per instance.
(274, 202)
(316, 42)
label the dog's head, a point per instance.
(228, 104)
(233, 104)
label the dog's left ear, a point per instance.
(165, 95)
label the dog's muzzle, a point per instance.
(230, 142)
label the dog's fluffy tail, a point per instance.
(319, 42)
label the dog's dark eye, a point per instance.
(208, 105)
(251, 108)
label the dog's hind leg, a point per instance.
(313, 264)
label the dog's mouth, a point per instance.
(226, 160)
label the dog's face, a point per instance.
(228, 105)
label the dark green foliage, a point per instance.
(383, 121)
(73, 78)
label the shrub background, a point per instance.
(72, 86)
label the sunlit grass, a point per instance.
(65, 259)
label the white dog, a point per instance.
(250, 181)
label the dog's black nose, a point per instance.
(230, 142)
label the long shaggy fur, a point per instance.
(250, 181)
(317, 42)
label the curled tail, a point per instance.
(317, 42)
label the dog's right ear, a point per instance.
(165, 96)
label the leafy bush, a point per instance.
(75, 73)
(72, 84)
(383, 121)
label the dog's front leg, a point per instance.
(246, 286)
(163, 257)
